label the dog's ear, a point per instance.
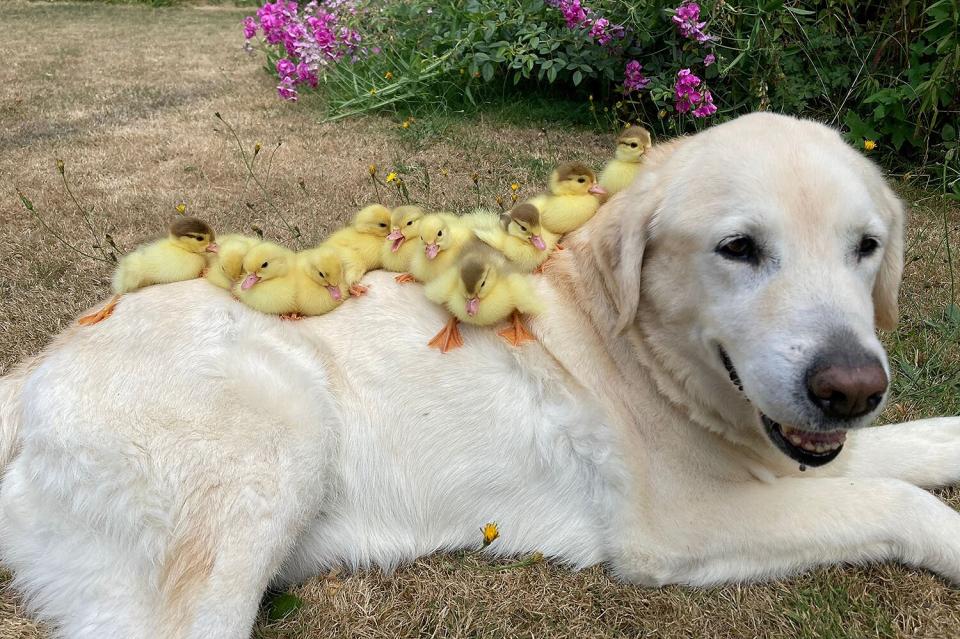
(619, 240)
(887, 284)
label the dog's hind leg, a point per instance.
(925, 453)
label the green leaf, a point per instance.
(948, 133)
(282, 606)
(487, 71)
(953, 314)
(577, 77)
(552, 74)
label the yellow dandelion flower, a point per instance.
(514, 198)
(515, 186)
(406, 124)
(490, 533)
(391, 176)
(372, 169)
(443, 172)
(388, 75)
(181, 208)
(373, 91)
(869, 145)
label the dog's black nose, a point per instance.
(844, 390)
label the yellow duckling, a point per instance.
(573, 199)
(399, 249)
(620, 172)
(363, 240)
(520, 237)
(482, 289)
(227, 263)
(441, 238)
(177, 257)
(269, 281)
(322, 283)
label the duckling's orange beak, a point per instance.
(473, 305)
(538, 242)
(396, 236)
(212, 247)
(249, 281)
(335, 292)
(596, 189)
(432, 250)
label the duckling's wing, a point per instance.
(441, 288)
(491, 236)
(525, 297)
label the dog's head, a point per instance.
(764, 251)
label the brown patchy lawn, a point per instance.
(125, 95)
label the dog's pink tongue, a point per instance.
(473, 305)
(334, 292)
(249, 281)
(432, 250)
(537, 242)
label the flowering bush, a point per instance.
(670, 64)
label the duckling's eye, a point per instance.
(410, 223)
(199, 239)
(633, 145)
(439, 233)
(321, 274)
(265, 265)
(581, 180)
(483, 283)
(522, 228)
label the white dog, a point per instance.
(686, 417)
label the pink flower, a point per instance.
(633, 78)
(709, 59)
(285, 68)
(249, 27)
(305, 75)
(286, 90)
(686, 18)
(578, 16)
(689, 95)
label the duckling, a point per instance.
(521, 238)
(441, 238)
(619, 173)
(322, 285)
(269, 282)
(227, 264)
(573, 199)
(363, 240)
(482, 289)
(177, 257)
(398, 250)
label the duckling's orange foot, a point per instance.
(358, 290)
(405, 278)
(292, 317)
(448, 338)
(516, 334)
(102, 314)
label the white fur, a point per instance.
(171, 461)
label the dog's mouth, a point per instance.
(810, 448)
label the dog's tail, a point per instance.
(10, 417)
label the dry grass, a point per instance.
(126, 96)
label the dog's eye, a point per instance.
(265, 265)
(868, 246)
(741, 248)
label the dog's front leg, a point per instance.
(925, 452)
(726, 532)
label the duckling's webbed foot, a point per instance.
(102, 314)
(358, 290)
(405, 278)
(448, 338)
(516, 334)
